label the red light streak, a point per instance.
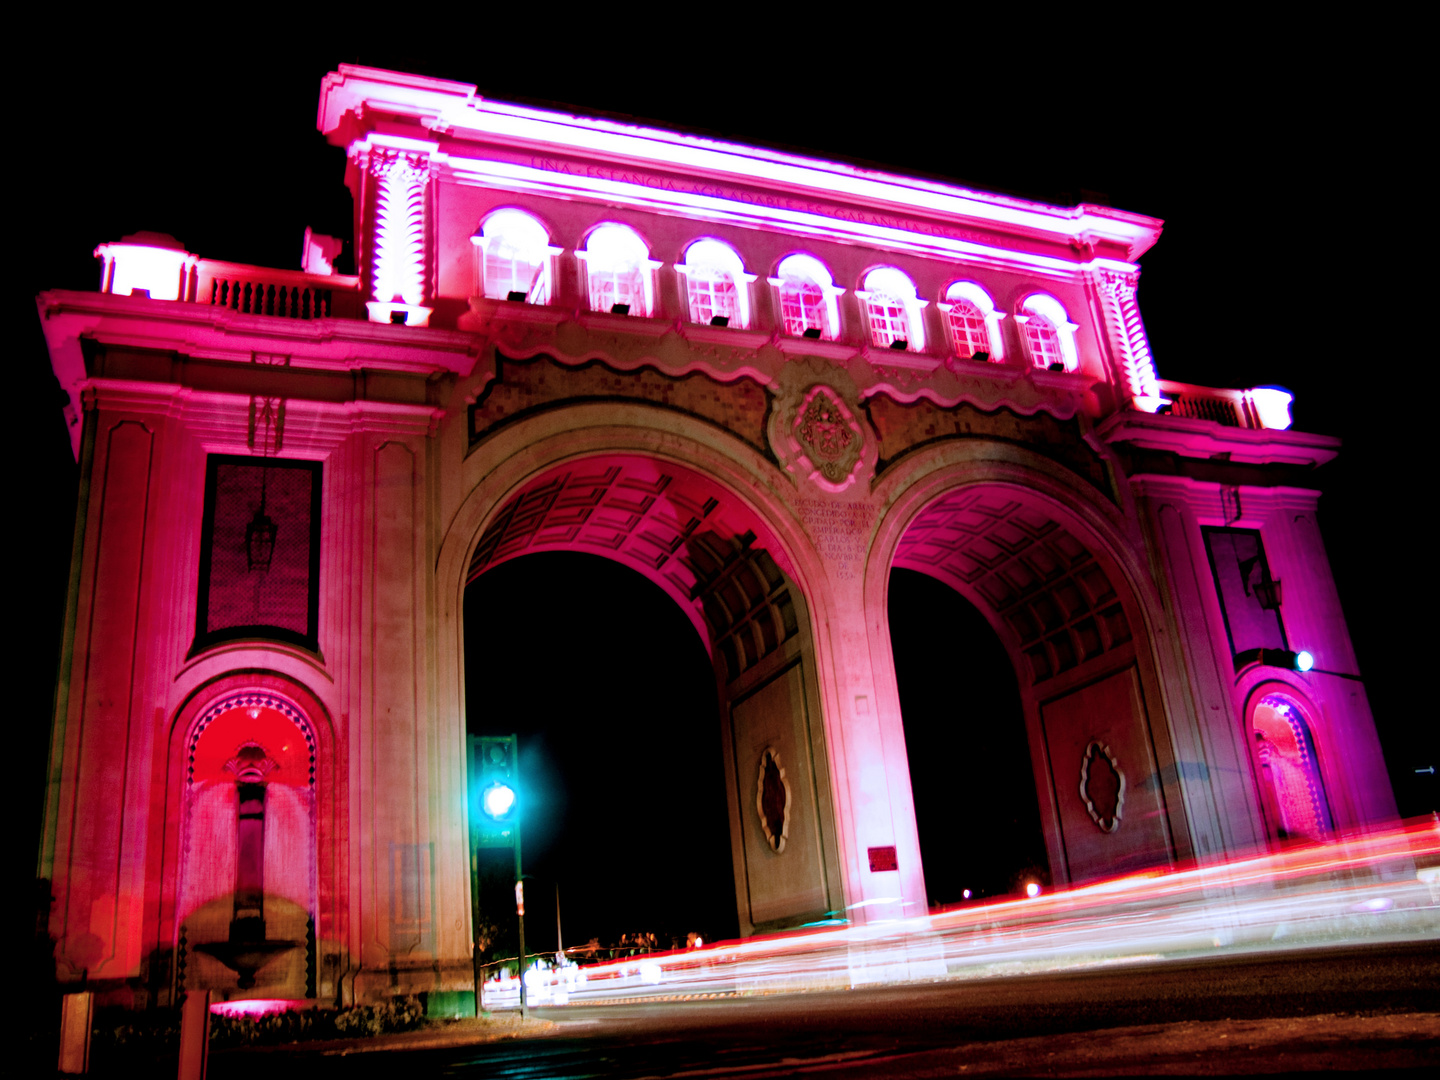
(1315, 894)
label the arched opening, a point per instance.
(1292, 795)
(248, 899)
(613, 697)
(970, 771)
(630, 619)
(1037, 599)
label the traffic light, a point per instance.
(494, 791)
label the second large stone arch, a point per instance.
(1076, 637)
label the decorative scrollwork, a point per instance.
(772, 800)
(1102, 786)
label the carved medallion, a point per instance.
(772, 800)
(827, 435)
(823, 431)
(1102, 786)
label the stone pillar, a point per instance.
(1352, 763)
(1211, 757)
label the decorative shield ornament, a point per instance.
(828, 437)
(1102, 786)
(772, 800)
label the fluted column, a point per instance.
(1127, 336)
(397, 270)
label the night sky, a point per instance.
(1284, 162)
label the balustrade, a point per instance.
(1231, 408)
(258, 290)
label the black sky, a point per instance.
(1285, 161)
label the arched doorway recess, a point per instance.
(248, 900)
(1068, 621)
(1287, 768)
(716, 558)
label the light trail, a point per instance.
(1382, 886)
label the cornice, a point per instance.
(1207, 440)
(217, 333)
(357, 101)
(221, 421)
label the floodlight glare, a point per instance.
(498, 800)
(1304, 660)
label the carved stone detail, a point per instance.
(772, 800)
(1102, 786)
(1127, 332)
(824, 433)
(816, 428)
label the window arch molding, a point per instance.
(1280, 729)
(618, 269)
(809, 297)
(514, 254)
(888, 292)
(1035, 314)
(708, 265)
(962, 293)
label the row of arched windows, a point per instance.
(516, 256)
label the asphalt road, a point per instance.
(1331, 1008)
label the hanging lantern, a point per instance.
(1268, 593)
(260, 535)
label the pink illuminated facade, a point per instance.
(762, 381)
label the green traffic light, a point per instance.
(498, 800)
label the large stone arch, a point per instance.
(706, 519)
(1046, 560)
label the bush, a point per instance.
(399, 1014)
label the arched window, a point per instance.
(1291, 792)
(1048, 332)
(618, 268)
(807, 298)
(974, 322)
(717, 284)
(515, 254)
(892, 309)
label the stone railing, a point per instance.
(260, 290)
(1262, 407)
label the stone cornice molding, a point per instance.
(1203, 497)
(1207, 440)
(218, 333)
(220, 422)
(263, 347)
(355, 101)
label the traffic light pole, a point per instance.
(520, 915)
(493, 768)
(475, 924)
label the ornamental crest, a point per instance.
(1102, 786)
(823, 430)
(772, 800)
(827, 435)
